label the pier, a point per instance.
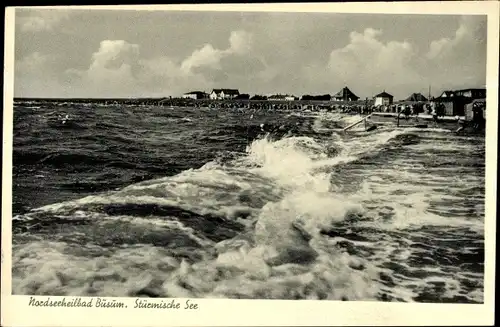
(357, 123)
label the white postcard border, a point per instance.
(17, 312)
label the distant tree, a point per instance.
(258, 97)
(243, 96)
(324, 97)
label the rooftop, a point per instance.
(416, 97)
(226, 91)
(195, 92)
(384, 95)
(344, 92)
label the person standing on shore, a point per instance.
(434, 113)
(461, 124)
(414, 111)
(477, 118)
(407, 112)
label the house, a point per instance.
(453, 105)
(290, 98)
(196, 95)
(383, 99)
(472, 93)
(345, 95)
(455, 102)
(220, 94)
(416, 97)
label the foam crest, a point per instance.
(216, 191)
(289, 161)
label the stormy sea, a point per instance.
(144, 200)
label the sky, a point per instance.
(108, 53)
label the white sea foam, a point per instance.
(283, 190)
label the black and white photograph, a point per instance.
(263, 155)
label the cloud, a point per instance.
(117, 69)
(206, 56)
(112, 69)
(113, 54)
(42, 20)
(368, 60)
(163, 76)
(369, 64)
(460, 59)
(468, 33)
(240, 44)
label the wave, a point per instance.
(274, 222)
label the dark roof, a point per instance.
(345, 93)
(416, 97)
(384, 95)
(226, 91)
(447, 93)
(454, 98)
(195, 92)
(472, 89)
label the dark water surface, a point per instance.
(184, 202)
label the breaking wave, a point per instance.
(342, 217)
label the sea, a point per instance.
(151, 201)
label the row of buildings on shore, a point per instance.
(454, 102)
(450, 102)
(231, 94)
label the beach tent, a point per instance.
(469, 108)
(416, 97)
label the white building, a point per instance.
(220, 94)
(383, 99)
(195, 95)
